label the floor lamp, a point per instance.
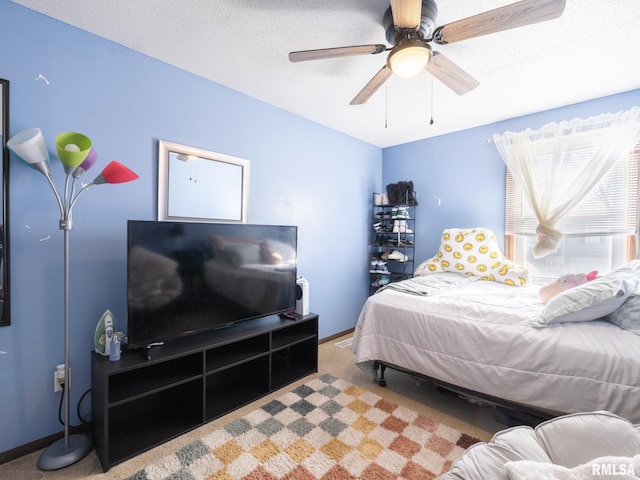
(77, 155)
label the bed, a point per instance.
(499, 343)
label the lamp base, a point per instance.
(59, 455)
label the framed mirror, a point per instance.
(5, 316)
(201, 186)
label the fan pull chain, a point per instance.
(386, 101)
(431, 121)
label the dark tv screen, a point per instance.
(185, 278)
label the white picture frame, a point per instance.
(199, 185)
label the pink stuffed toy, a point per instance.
(565, 282)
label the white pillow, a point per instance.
(632, 267)
(589, 301)
(615, 468)
(627, 316)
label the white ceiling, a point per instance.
(589, 52)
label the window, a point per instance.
(600, 233)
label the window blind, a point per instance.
(610, 208)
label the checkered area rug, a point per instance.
(325, 429)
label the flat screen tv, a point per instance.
(186, 278)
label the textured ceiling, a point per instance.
(589, 52)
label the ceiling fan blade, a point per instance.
(450, 74)
(519, 14)
(370, 88)
(406, 13)
(322, 53)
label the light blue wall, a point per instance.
(301, 174)
(460, 177)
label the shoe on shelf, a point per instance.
(378, 266)
(397, 256)
(381, 280)
(385, 255)
(400, 226)
(383, 227)
(400, 212)
(404, 243)
(380, 199)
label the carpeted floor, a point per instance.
(403, 390)
(326, 428)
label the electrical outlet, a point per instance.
(58, 378)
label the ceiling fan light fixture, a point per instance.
(409, 58)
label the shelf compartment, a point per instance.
(237, 352)
(231, 388)
(293, 362)
(149, 421)
(294, 334)
(129, 384)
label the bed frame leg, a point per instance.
(381, 368)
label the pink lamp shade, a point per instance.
(91, 159)
(115, 172)
(29, 146)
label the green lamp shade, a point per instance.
(72, 149)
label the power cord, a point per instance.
(84, 422)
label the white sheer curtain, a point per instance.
(557, 165)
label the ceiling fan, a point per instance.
(410, 27)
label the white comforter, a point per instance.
(477, 336)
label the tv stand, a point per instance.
(139, 403)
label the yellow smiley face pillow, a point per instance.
(474, 251)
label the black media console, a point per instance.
(138, 404)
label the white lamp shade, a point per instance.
(409, 59)
(29, 146)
